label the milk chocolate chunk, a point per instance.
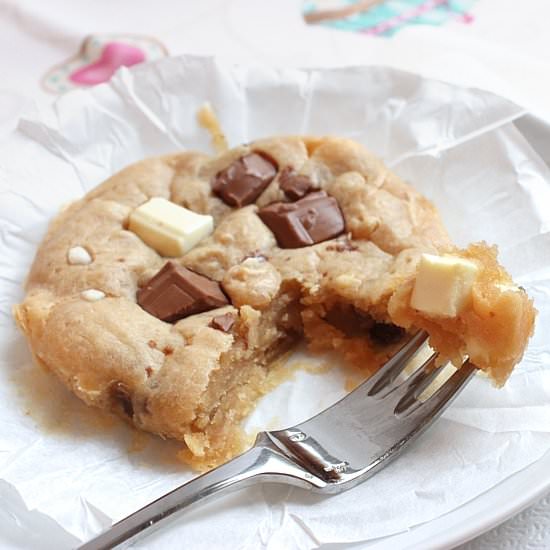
(313, 219)
(122, 398)
(176, 292)
(294, 185)
(244, 180)
(386, 333)
(223, 322)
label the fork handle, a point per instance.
(263, 462)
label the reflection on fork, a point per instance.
(331, 452)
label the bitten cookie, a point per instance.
(166, 293)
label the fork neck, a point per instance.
(263, 462)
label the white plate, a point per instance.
(477, 516)
(422, 128)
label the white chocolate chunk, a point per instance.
(169, 228)
(92, 295)
(78, 255)
(443, 285)
(507, 287)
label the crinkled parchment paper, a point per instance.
(66, 471)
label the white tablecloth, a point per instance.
(506, 49)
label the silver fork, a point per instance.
(331, 452)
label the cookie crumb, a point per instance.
(92, 295)
(78, 255)
(149, 371)
(207, 119)
(152, 344)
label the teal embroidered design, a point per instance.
(386, 18)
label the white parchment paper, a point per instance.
(66, 471)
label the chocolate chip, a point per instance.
(149, 371)
(386, 333)
(294, 185)
(313, 219)
(223, 322)
(167, 350)
(121, 396)
(176, 292)
(244, 180)
(348, 320)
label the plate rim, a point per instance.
(479, 515)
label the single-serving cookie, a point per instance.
(167, 292)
